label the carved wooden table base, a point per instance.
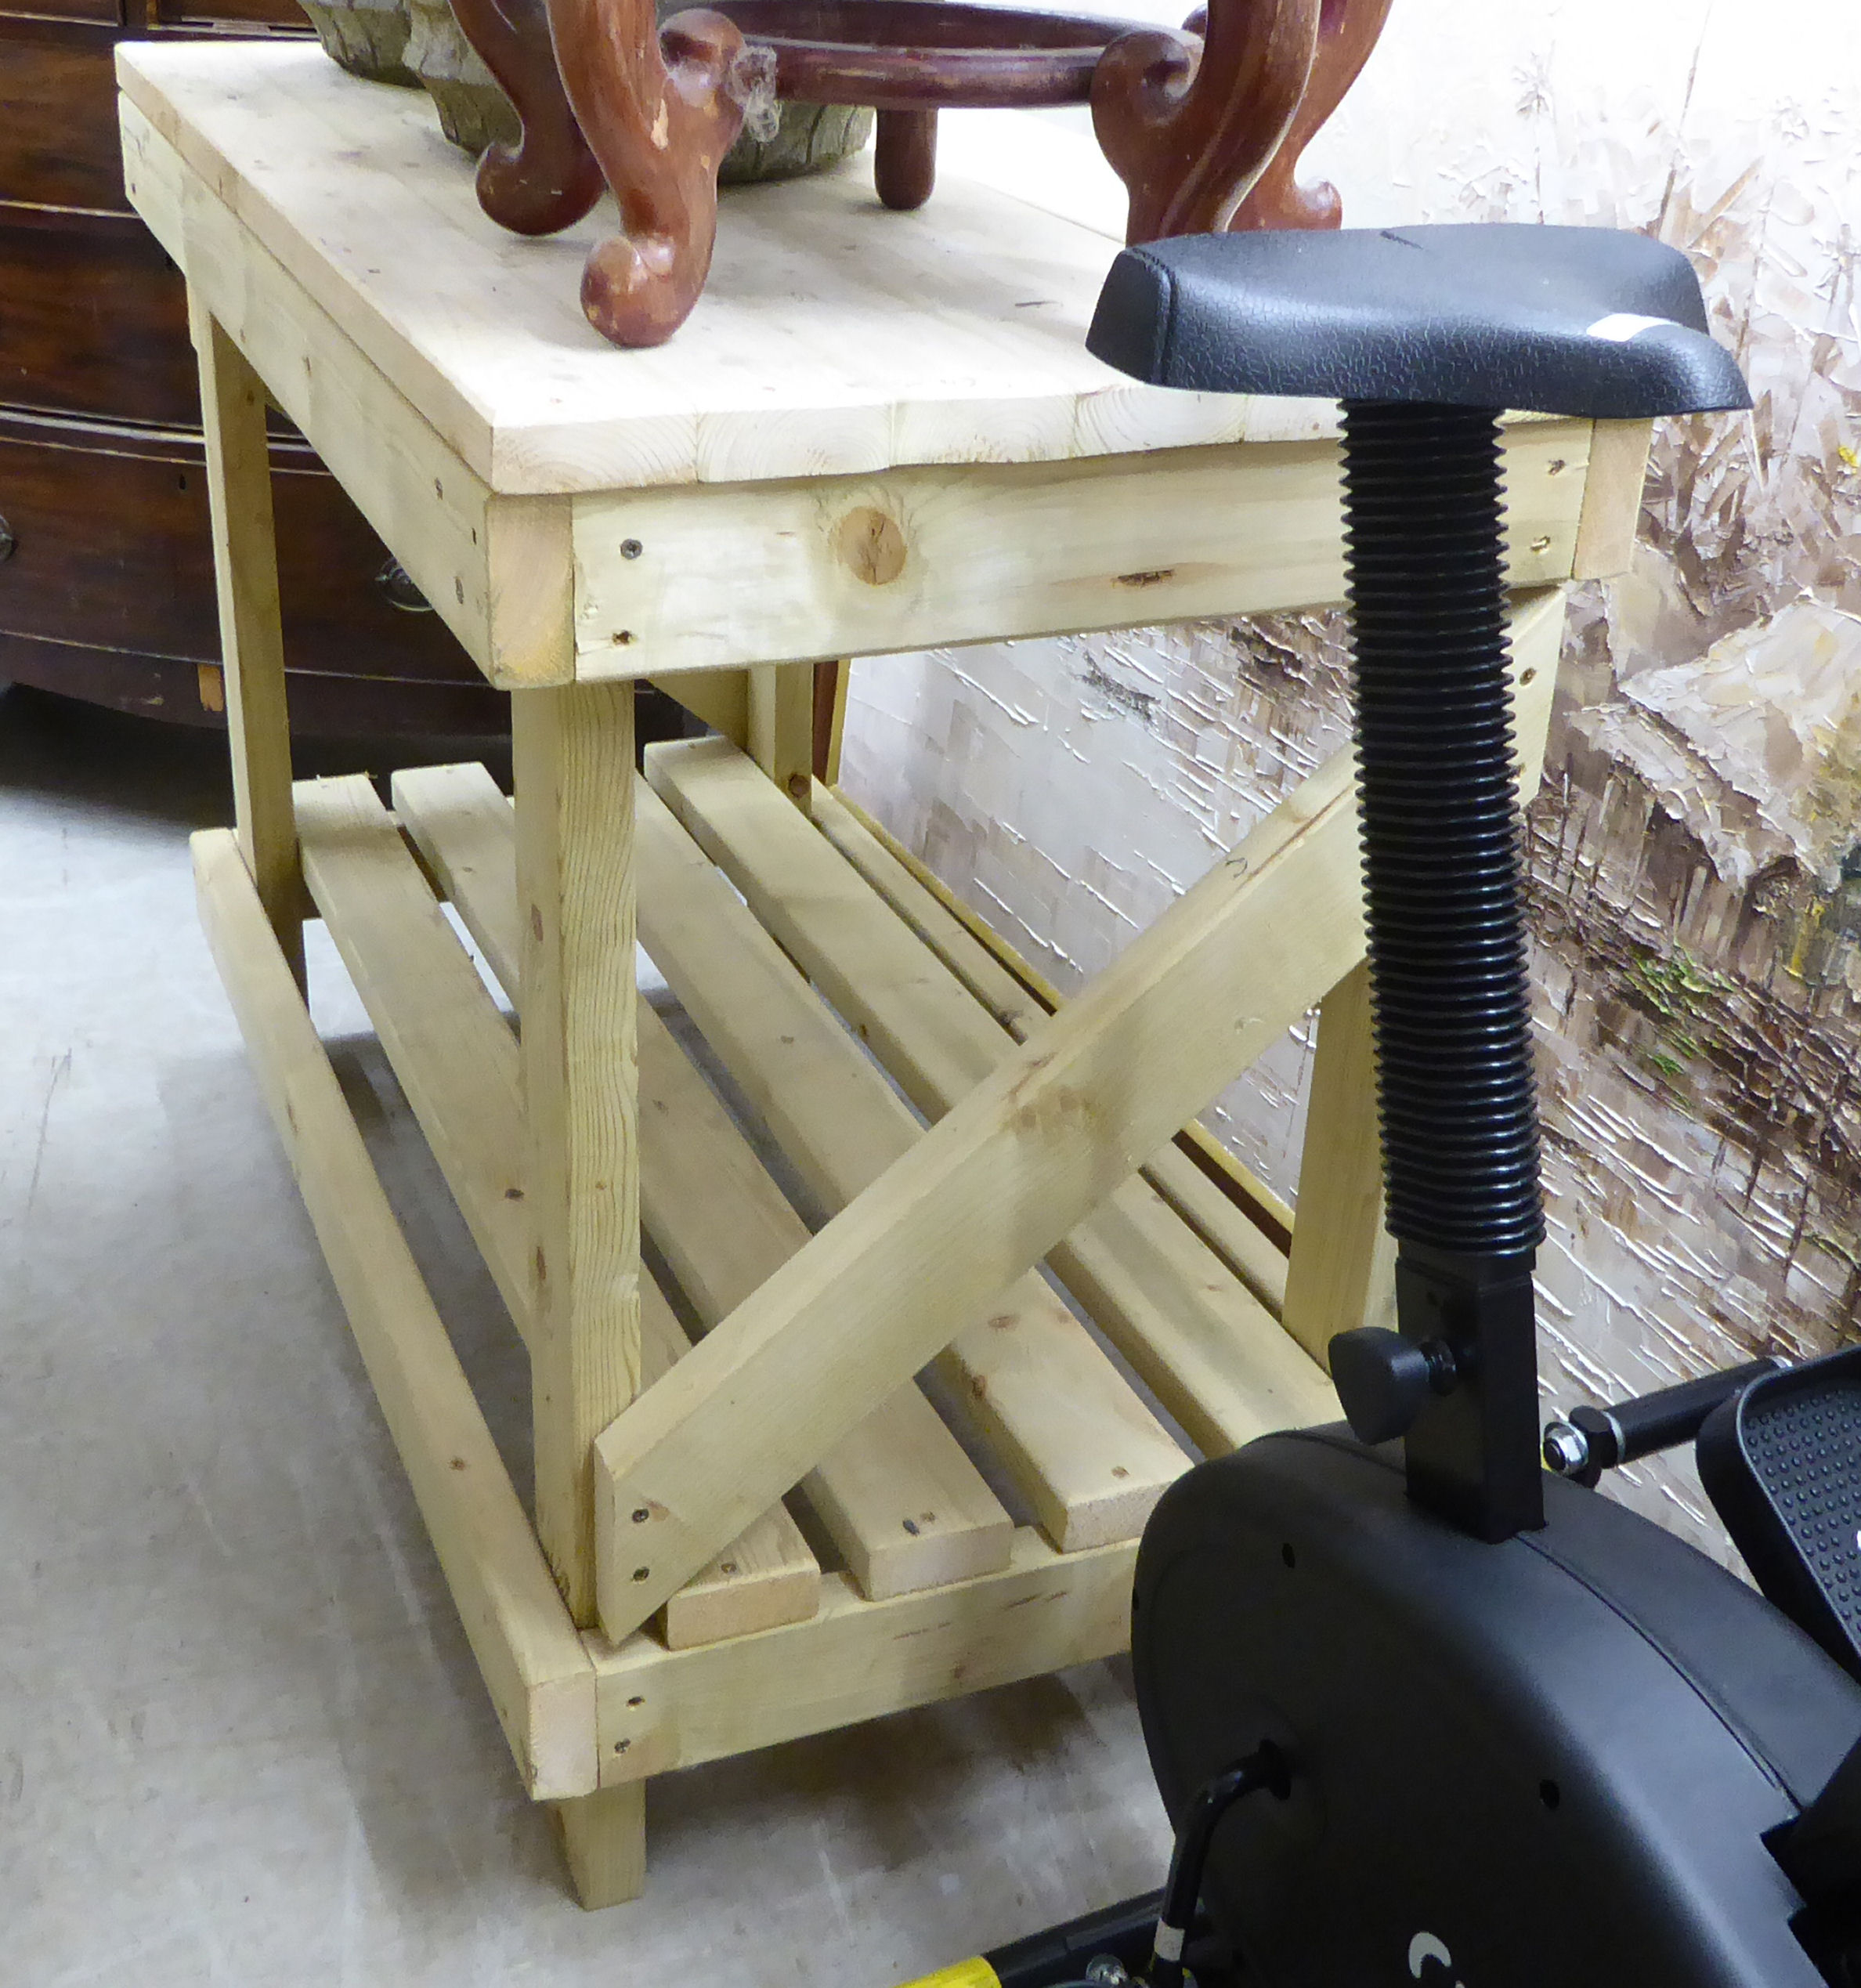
(1204, 127)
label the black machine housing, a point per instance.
(1550, 1761)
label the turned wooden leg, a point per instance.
(604, 1840)
(659, 109)
(245, 566)
(904, 157)
(573, 751)
(551, 179)
(1189, 152)
(1347, 32)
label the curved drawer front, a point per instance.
(59, 146)
(95, 322)
(111, 547)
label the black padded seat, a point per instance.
(1588, 321)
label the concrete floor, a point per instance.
(242, 1739)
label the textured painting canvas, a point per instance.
(1695, 852)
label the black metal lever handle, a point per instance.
(1384, 1381)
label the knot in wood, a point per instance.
(870, 545)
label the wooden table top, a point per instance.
(834, 338)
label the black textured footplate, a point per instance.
(1782, 1464)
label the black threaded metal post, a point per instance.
(1438, 776)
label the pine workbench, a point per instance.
(877, 432)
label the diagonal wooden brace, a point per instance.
(990, 1189)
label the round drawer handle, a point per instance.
(393, 581)
(8, 544)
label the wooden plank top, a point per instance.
(834, 337)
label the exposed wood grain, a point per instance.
(723, 577)
(781, 727)
(245, 565)
(990, 1189)
(1215, 1358)
(900, 1498)
(1019, 999)
(860, 1659)
(451, 1050)
(534, 1665)
(719, 697)
(1341, 1273)
(1014, 1166)
(456, 1060)
(1088, 1455)
(1612, 494)
(573, 754)
(873, 338)
(604, 1843)
(459, 549)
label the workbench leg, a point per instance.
(604, 1839)
(573, 756)
(829, 718)
(782, 727)
(1342, 1270)
(245, 566)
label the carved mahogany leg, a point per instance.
(551, 180)
(904, 157)
(659, 108)
(1190, 137)
(1347, 32)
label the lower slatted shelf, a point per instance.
(790, 942)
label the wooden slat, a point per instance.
(245, 566)
(1018, 999)
(1089, 1457)
(451, 1050)
(988, 1191)
(1215, 1356)
(901, 1500)
(1342, 1273)
(456, 1060)
(722, 576)
(1612, 494)
(860, 1659)
(541, 1683)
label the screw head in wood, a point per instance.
(631, 548)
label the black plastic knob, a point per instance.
(1384, 1381)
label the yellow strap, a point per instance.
(976, 1973)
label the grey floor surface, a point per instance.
(242, 1739)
